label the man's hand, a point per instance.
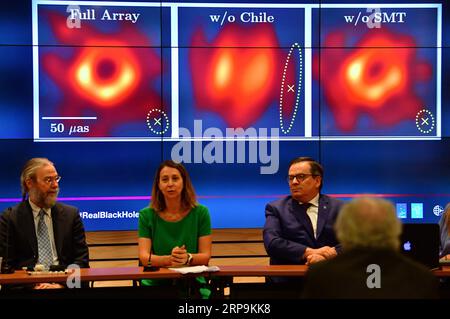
(327, 252)
(315, 255)
(314, 258)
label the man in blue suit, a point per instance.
(299, 227)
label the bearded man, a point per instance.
(40, 230)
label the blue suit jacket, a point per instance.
(287, 233)
(445, 237)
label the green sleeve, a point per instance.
(145, 223)
(204, 228)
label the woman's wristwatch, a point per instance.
(189, 259)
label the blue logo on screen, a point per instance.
(438, 210)
(416, 210)
(402, 210)
(407, 246)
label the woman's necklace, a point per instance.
(173, 216)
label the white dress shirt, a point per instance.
(313, 213)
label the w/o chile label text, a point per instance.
(224, 309)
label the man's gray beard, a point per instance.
(43, 199)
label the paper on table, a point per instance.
(195, 269)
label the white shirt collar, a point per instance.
(36, 209)
(314, 202)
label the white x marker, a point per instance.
(424, 121)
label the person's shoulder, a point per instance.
(420, 275)
(200, 209)
(9, 210)
(65, 207)
(331, 201)
(147, 211)
(16, 212)
(23, 205)
(330, 198)
(413, 266)
(65, 210)
(281, 201)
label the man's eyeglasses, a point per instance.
(50, 180)
(299, 177)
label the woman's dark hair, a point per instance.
(188, 197)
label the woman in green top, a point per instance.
(175, 228)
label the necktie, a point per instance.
(305, 206)
(303, 209)
(44, 245)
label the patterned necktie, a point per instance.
(44, 245)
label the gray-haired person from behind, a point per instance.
(369, 223)
(371, 265)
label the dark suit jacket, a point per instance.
(68, 231)
(445, 237)
(346, 277)
(287, 233)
